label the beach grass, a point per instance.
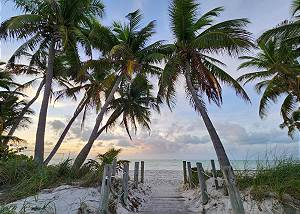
(21, 176)
(277, 177)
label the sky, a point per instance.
(179, 134)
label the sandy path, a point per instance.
(165, 197)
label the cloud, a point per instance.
(56, 125)
(235, 133)
(190, 139)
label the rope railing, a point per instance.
(107, 187)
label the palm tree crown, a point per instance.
(278, 72)
(195, 39)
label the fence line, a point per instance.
(107, 188)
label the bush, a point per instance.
(7, 210)
(21, 176)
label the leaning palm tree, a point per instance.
(51, 25)
(133, 107)
(95, 84)
(126, 51)
(195, 39)
(278, 72)
(37, 68)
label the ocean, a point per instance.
(172, 164)
(177, 164)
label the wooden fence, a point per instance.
(108, 178)
(228, 177)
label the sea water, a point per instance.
(177, 164)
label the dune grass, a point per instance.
(279, 177)
(21, 176)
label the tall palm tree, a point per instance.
(278, 72)
(195, 38)
(133, 107)
(52, 25)
(94, 85)
(126, 49)
(37, 68)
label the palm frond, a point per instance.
(207, 18)
(228, 37)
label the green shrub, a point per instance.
(21, 176)
(7, 210)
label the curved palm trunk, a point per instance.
(81, 157)
(40, 133)
(15, 126)
(224, 162)
(65, 132)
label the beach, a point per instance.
(159, 188)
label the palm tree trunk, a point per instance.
(65, 132)
(221, 154)
(24, 110)
(234, 194)
(40, 133)
(81, 157)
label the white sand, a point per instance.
(219, 203)
(69, 199)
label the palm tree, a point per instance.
(125, 51)
(279, 75)
(11, 106)
(52, 25)
(195, 38)
(37, 68)
(133, 107)
(94, 86)
(288, 31)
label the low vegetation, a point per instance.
(276, 178)
(21, 176)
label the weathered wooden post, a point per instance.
(214, 172)
(114, 167)
(125, 182)
(189, 167)
(136, 174)
(202, 183)
(184, 173)
(105, 190)
(234, 194)
(142, 171)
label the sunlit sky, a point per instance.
(179, 134)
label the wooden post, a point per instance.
(184, 173)
(189, 168)
(234, 194)
(202, 183)
(114, 167)
(125, 182)
(142, 171)
(104, 194)
(214, 172)
(136, 174)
